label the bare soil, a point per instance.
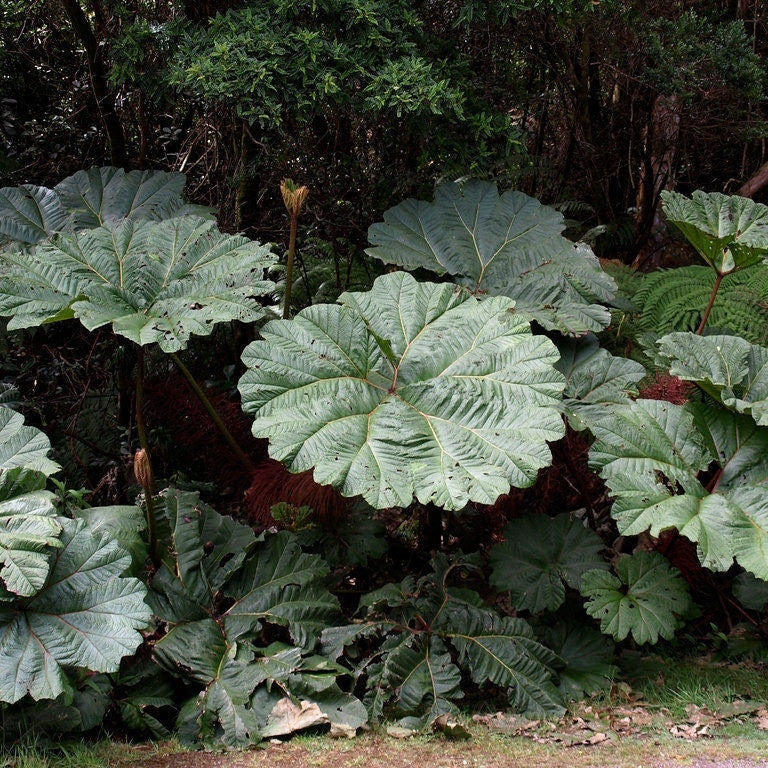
(379, 751)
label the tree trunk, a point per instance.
(757, 181)
(662, 134)
(102, 93)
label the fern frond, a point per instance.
(675, 299)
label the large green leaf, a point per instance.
(654, 455)
(646, 598)
(408, 389)
(22, 445)
(222, 592)
(507, 245)
(728, 368)
(229, 676)
(280, 584)
(86, 615)
(504, 651)
(539, 556)
(28, 531)
(153, 282)
(28, 214)
(729, 232)
(88, 199)
(100, 195)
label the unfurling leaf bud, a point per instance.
(142, 470)
(293, 196)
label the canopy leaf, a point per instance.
(501, 245)
(729, 232)
(408, 389)
(728, 368)
(153, 282)
(540, 556)
(646, 598)
(86, 615)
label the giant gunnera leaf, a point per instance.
(411, 389)
(29, 530)
(698, 468)
(88, 199)
(153, 282)
(728, 368)
(646, 599)
(500, 245)
(729, 232)
(540, 556)
(86, 615)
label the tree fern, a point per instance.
(675, 299)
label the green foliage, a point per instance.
(728, 232)
(89, 199)
(674, 300)
(508, 245)
(270, 55)
(540, 556)
(646, 598)
(654, 457)
(87, 614)
(153, 282)
(594, 378)
(728, 368)
(418, 623)
(230, 602)
(691, 55)
(22, 445)
(409, 389)
(29, 530)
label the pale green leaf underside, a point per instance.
(28, 531)
(729, 232)
(645, 599)
(23, 446)
(90, 198)
(651, 454)
(87, 615)
(463, 414)
(728, 368)
(153, 282)
(508, 245)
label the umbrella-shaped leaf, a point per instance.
(28, 530)
(408, 389)
(153, 282)
(728, 368)
(540, 556)
(646, 599)
(729, 232)
(508, 245)
(99, 195)
(86, 615)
